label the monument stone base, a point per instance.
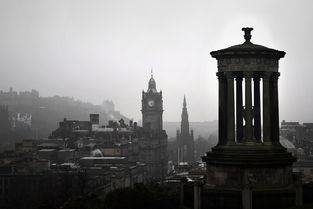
(250, 176)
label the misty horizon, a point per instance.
(105, 51)
(88, 102)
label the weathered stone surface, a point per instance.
(243, 172)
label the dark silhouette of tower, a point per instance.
(152, 108)
(153, 143)
(184, 138)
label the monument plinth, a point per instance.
(249, 168)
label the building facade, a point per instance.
(299, 134)
(153, 143)
(146, 144)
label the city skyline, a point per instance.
(105, 51)
(156, 104)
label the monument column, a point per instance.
(274, 108)
(257, 109)
(239, 108)
(230, 108)
(248, 107)
(266, 108)
(221, 108)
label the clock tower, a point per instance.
(152, 107)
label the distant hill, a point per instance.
(205, 129)
(47, 112)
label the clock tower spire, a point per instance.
(152, 107)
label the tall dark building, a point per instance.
(152, 108)
(185, 141)
(153, 143)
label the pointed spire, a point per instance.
(185, 112)
(151, 72)
(184, 119)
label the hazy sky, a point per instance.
(96, 50)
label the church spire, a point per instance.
(185, 138)
(184, 113)
(184, 118)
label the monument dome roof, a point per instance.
(248, 48)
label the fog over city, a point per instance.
(96, 50)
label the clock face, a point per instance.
(151, 103)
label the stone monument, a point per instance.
(249, 168)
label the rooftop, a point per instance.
(248, 48)
(103, 158)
